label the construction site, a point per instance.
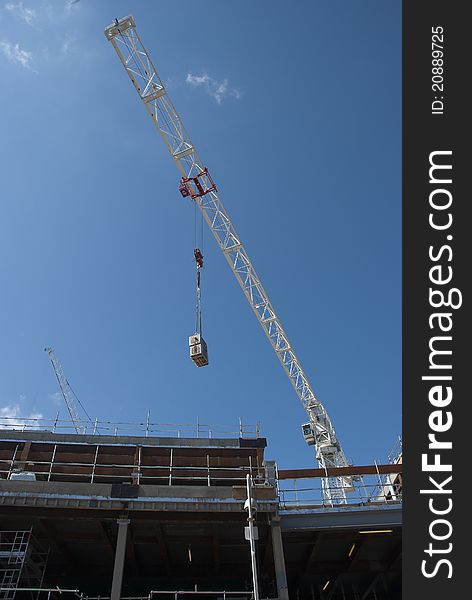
(94, 509)
(165, 514)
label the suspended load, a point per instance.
(198, 350)
(197, 345)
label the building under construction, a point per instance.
(119, 513)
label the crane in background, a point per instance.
(68, 394)
(197, 184)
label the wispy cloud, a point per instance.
(219, 90)
(56, 398)
(57, 18)
(16, 55)
(12, 417)
(25, 14)
(67, 45)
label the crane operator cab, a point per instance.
(198, 350)
(308, 434)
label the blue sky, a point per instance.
(296, 110)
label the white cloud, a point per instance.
(11, 417)
(219, 90)
(56, 398)
(197, 79)
(28, 15)
(16, 55)
(68, 43)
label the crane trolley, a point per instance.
(197, 186)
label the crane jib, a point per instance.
(197, 183)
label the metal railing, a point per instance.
(375, 489)
(220, 594)
(88, 472)
(46, 593)
(145, 428)
(135, 464)
(176, 594)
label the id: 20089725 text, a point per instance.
(437, 70)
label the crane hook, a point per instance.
(198, 257)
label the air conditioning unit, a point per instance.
(198, 350)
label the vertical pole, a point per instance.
(52, 462)
(381, 487)
(95, 458)
(12, 462)
(139, 463)
(119, 559)
(252, 542)
(279, 560)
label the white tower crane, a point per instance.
(67, 392)
(197, 184)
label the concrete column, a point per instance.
(119, 559)
(279, 560)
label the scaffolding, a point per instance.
(22, 559)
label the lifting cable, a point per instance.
(198, 256)
(198, 308)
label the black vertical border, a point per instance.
(424, 133)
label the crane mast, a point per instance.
(66, 390)
(197, 183)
